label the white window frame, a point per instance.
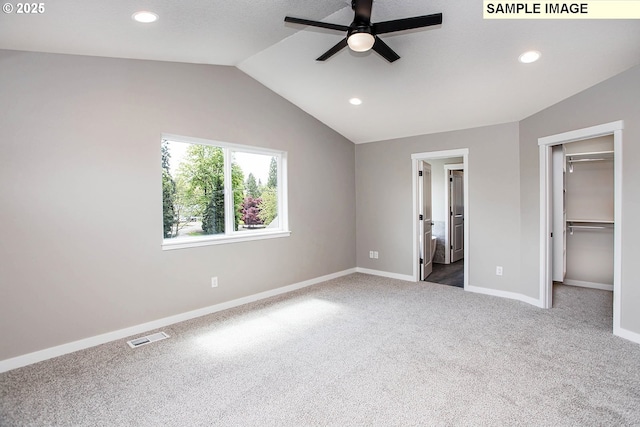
(231, 235)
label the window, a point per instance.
(215, 192)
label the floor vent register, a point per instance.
(138, 342)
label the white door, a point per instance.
(559, 239)
(425, 219)
(456, 212)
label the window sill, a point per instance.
(194, 242)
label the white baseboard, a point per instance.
(504, 294)
(398, 276)
(592, 285)
(49, 353)
(627, 334)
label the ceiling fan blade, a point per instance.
(362, 8)
(406, 23)
(385, 51)
(337, 48)
(316, 23)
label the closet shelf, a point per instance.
(591, 221)
(589, 226)
(589, 157)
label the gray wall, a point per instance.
(80, 252)
(384, 202)
(617, 98)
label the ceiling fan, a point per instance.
(362, 35)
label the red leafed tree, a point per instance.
(250, 210)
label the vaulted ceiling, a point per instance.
(461, 74)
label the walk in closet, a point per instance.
(583, 213)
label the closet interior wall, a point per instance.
(584, 213)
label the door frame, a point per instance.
(447, 203)
(546, 191)
(415, 158)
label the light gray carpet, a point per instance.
(359, 350)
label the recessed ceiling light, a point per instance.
(355, 101)
(529, 57)
(145, 17)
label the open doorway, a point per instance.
(550, 237)
(448, 260)
(447, 220)
(441, 207)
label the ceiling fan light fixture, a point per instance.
(361, 41)
(362, 34)
(355, 101)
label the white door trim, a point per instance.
(447, 202)
(415, 158)
(426, 209)
(545, 144)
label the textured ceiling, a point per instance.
(461, 74)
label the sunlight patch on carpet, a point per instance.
(271, 326)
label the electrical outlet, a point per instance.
(370, 254)
(499, 271)
(214, 282)
(375, 254)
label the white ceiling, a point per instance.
(461, 74)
